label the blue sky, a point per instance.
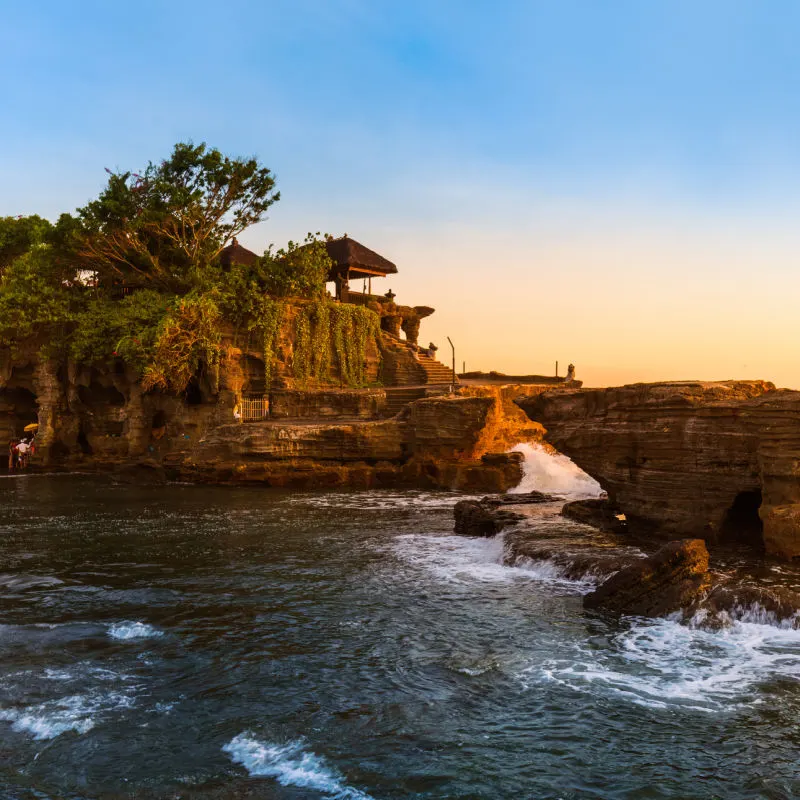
(532, 145)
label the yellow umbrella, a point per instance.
(32, 427)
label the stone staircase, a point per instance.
(436, 373)
(398, 398)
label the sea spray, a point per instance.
(663, 664)
(133, 630)
(554, 473)
(290, 764)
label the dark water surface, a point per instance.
(216, 642)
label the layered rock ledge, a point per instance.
(718, 461)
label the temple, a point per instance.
(352, 261)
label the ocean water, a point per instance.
(204, 642)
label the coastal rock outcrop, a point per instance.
(598, 512)
(670, 580)
(719, 461)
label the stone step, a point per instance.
(398, 399)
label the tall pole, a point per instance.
(452, 347)
(556, 369)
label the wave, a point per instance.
(290, 764)
(380, 500)
(554, 473)
(552, 572)
(77, 713)
(133, 630)
(465, 560)
(662, 664)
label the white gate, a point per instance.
(255, 409)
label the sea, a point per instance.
(213, 642)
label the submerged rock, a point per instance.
(672, 579)
(769, 605)
(473, 518)
(573, 561)
(521, 499)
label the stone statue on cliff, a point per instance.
(570, 373)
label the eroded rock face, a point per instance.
(99, 418)
(670, 580)
(690, 457)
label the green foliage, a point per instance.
(189, 340)
(34, 302)
(352, 327)
(126, 329)
(18, 235)
(266, 323)
(298, 270)
(161, 232)
(164, 227)
(347, 328)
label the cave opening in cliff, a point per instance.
(18, 408)
(194, 395)
(742, 524)
(96, 395)
(83, 442)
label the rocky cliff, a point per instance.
(101, 419)
(715, 460)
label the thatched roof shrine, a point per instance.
(234, 253)
(352, 260)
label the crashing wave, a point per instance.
(554, 473)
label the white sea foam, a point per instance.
(550, 572)
(466, 559)
(662, 664)
(76, 713)
(290, 764)
(133, 630)
(457, 559)
(380, 500)
(554, 474)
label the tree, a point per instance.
(34, 300)
(18, 235)
(297, 270)
(165, 226)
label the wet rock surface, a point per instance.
(764, 604)
(672, 579)
(600, 513)
(474, 518)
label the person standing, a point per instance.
(12, 455)
(22, 454)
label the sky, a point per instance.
(613, 184)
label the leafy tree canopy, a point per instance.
(33, 299)
(164, 226)
(20, 234)
(160, 232)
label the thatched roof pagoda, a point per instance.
(356, 261)
(234, 253)
(352, 261)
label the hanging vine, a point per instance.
(266, 322)
(352, 328)
(322, 327)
